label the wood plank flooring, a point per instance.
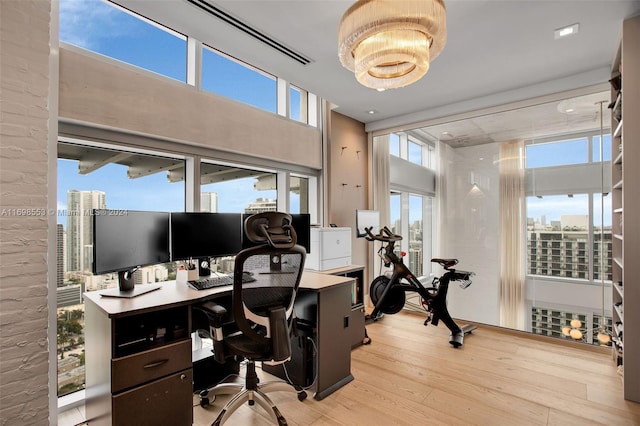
(410, 375)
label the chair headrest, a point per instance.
(273, 228)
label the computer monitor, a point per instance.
(301, 223)
(125, 240)
(204, 235)
(367, 219)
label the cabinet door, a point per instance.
(334, 339)
(356, 323)
(167, 401)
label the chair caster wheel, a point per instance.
(302, 396)
(204, 399)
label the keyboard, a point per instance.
(211, 282)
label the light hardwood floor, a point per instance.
(410, 375)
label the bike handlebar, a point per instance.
(385, 235)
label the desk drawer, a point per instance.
(168, 401)
(149, 365)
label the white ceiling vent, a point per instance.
(250, 31)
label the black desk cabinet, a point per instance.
(328, 311)
(142, 375)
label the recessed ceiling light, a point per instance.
(381, 89)
(372, 111)
(566, 31)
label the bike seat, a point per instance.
(445, 263)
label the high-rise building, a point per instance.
(562, 250)
(60, 255)
(550, 322)
(262, 205)
(209, 202)
(79, 230)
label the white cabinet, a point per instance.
(330, 248)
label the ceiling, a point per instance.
(497, 51)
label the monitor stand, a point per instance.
(275, 266)
(127, 288)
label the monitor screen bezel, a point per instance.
(226, 224)
(366, 218)
(109, 245)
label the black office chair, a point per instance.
(266, 280)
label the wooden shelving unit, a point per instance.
(625, 175)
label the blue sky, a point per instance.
(147, 193)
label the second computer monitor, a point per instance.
(201, 235)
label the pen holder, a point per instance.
(192, 274)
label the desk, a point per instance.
(138, 352)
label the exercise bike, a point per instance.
(388, 292)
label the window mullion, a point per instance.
(282, 97)
(194, 62)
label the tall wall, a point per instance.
(24, 161)
(347, 174)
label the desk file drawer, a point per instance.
(149, 365)
(168, 401)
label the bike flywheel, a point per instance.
(394, 299)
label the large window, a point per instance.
(229, 77)
(95, 177)
(295, 103)
(575, 151)
(394, 144)
(116, 32)
(558, 236)
(416, 234)
(301, 190)
(411, 217)
(229, 189)
(113, 31)
(569, 234)
(410, 148)
(410, 205)
(395, 200)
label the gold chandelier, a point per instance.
(389, 43)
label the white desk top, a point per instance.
(172, 294)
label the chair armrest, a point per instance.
(215, 314)
(279, 330)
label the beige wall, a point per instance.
(106, 94)
(347, 176)
(24, 156)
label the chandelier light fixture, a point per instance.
(390, 43)
(574, 330)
